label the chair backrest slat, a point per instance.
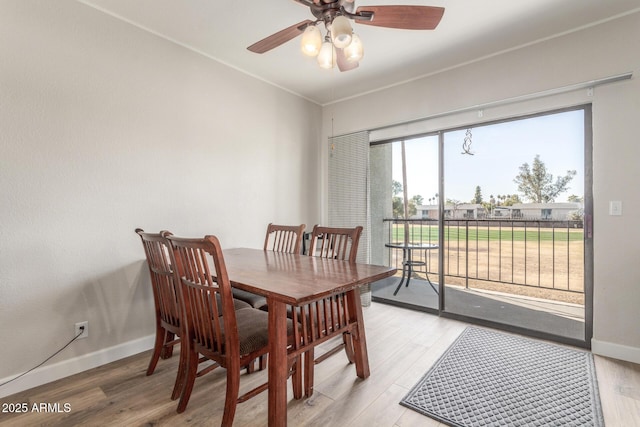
(335, 242)
(284, 238)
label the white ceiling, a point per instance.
(470, 30)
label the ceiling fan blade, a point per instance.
(343, 63)
(281, 37)
(402, 17)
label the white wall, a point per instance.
(593, 53)
(105, 128)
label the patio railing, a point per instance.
(538, 253)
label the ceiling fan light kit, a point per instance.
(355, 51)
(311, 41)
(342, 47)
(327, 56)
(340, 32)
(340, 41)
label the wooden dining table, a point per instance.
(296, 280)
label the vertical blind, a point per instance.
(349, 186)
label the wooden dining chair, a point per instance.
(279, 238)
(168, 313)
(166, 302)
(231, 338)
(329, 317)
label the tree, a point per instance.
(477, 198)
(413, 208)
(398, 202)
(576, 215)
(575, 199)
(511, 199)
(455, 204)
(537, 185)
(397, 187)
(398, 207)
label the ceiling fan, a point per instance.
(341, 45)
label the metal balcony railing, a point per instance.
(537, 253)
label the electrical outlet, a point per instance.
(84, 333)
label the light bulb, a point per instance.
(355, 51)
(327, 56)
(311, 41)
(341, 32)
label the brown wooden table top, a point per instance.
(297, 279)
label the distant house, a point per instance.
(554, 211)
(534, 211)
(427, 212)
(461, 211)
(501, 212)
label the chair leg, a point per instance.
(296, 378)
(161, 335)
(309, 366)
(231, 400)
(182, 373)
(263, 362)
(190, 378)
(348, 346)
(167, 350)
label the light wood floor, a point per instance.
(402, 345)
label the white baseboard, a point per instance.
(75, 365)
(616, 351)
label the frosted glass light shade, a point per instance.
(341, 32)
(355, 51)
(311, 41)
(327, 56)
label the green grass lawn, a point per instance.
(430, 234)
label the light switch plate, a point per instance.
(615, 207)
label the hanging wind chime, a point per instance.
(466, 145)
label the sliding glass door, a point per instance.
(500, 232)
(514, 227)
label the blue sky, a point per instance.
(499, 150)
